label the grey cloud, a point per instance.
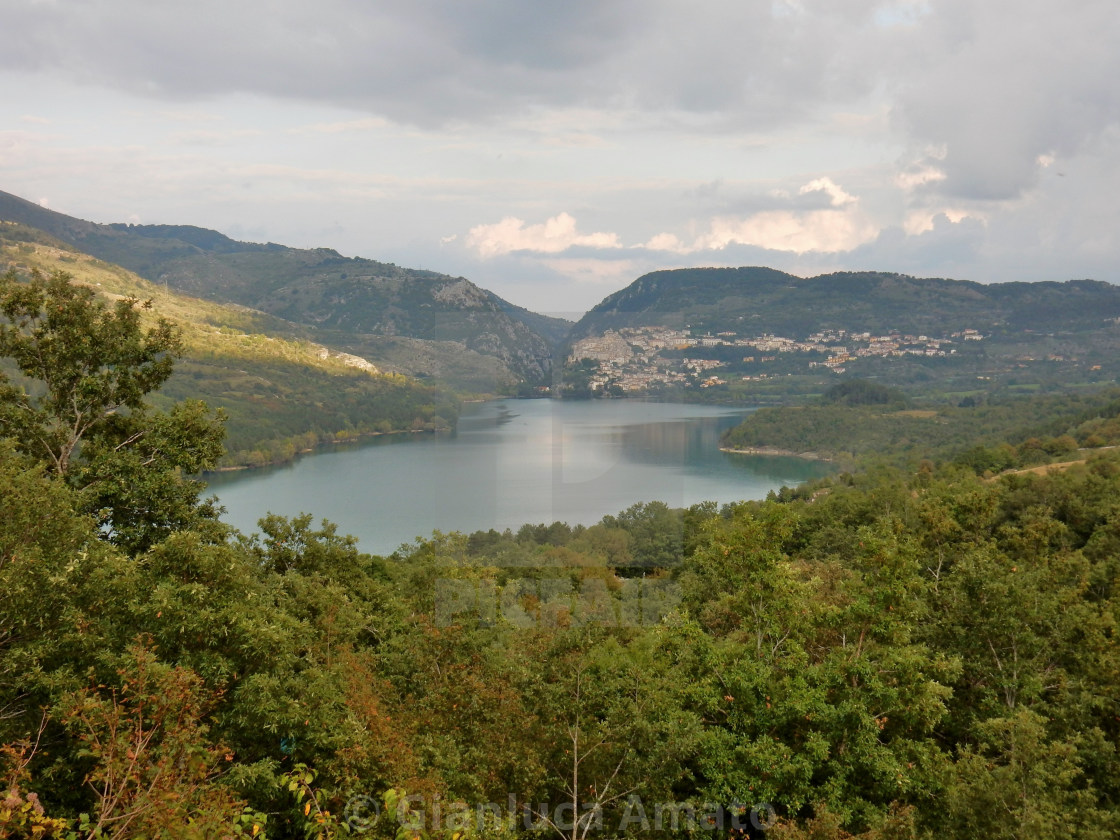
(735, 200)
(993, 84)
(545, 35)
(418, 61)
(947, 250)
(1002, 83)
(997, 83)
(430, 62)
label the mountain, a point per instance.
(718, 299)
(282, 391)
(420, 323)
(709, 327)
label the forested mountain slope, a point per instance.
(741, 299)
(282, 392)
(415, 322)
(730, 333)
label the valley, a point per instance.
(304, 347)
(830, 639)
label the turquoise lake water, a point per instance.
(512, 462)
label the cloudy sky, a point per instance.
(555, 150)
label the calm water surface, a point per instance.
(511, 462)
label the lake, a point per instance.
(511, 462)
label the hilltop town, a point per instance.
(635, 359)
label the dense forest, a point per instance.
(281, 392)
(850, 425)
(922, 648)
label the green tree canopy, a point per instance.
(78, 406)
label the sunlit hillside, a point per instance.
(282, 392)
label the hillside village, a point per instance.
(634, 359)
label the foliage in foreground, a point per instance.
(893, 653)
(932, 650)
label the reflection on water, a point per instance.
(512, 462)
(473, 418)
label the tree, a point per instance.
(40, 535)
(80, 408)
(655, 532)
(1018, 782)
(153, 769)
(93, 362)
(615, 729)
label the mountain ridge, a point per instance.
(282, 391)
(449, 330)
(730, 333)
(832, 300)
(352, 303)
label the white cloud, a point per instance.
(918, 177)
(969, 137)
(612, 273)
(667, 242)
(827, 231)
(340, 126)
(188, 115)
(553, 236)
(201, 137)
(840, 227)
(907, 13)
(834, 192)
(918, 222)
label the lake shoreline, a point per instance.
(510, 464)
(325, 446)
(777, 452)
